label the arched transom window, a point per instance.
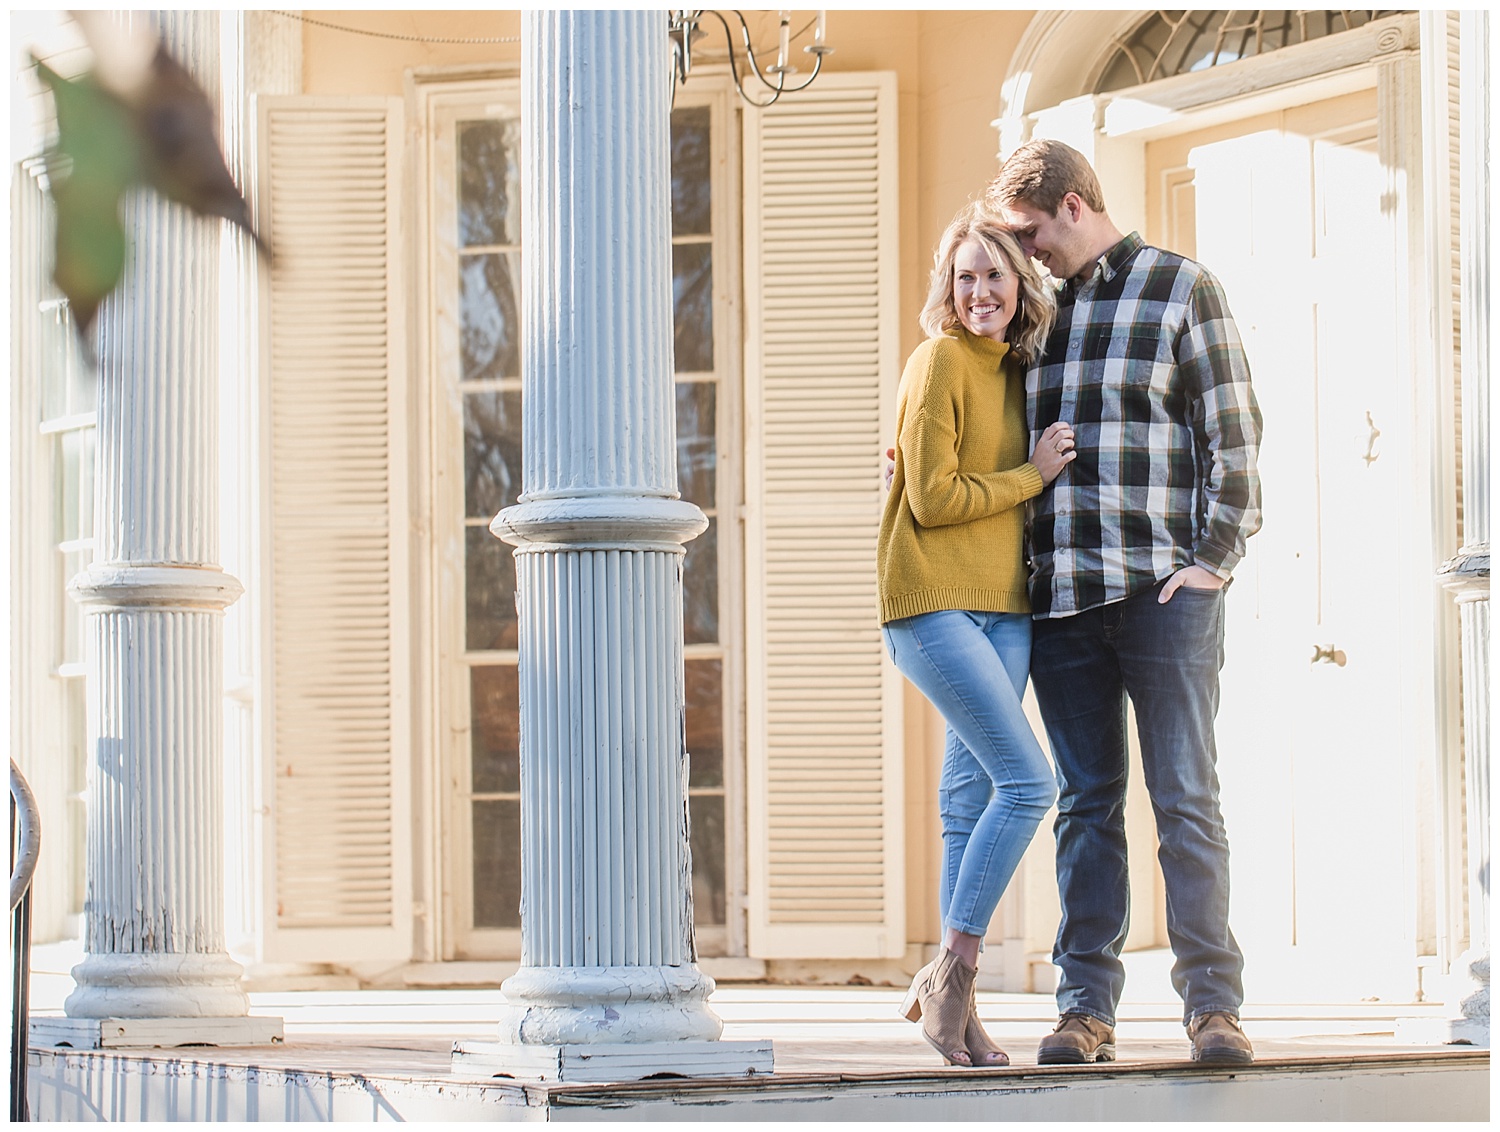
(1175, 43)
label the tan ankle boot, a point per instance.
(945, 1000)
(982, 1050)
(911, 1005)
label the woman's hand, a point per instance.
(1054, 451)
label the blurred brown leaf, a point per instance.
(181, 157)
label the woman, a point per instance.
(953, 589)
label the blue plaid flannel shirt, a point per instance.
(1146, 364)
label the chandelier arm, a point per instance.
(678, 76)
(807, 82)
(734, 72)
(780, 84)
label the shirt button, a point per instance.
(1075, 344)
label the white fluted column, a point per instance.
(608, 987)
(155, 596)
(1467, 575)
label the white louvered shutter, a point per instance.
(822, 365)
(336, 727)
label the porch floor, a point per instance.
(840, 1053)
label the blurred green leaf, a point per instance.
(93, 162)
(160, 135)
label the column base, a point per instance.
(1444, 1032)
(128, 1033)
(581, 1006)
(603, 1063)
(1466, 990)
(157, 985)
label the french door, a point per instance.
(475, 258)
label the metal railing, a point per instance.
(25, 841)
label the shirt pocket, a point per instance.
(1148, 360)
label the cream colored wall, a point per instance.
(963, 60)
(343, 62)
(949, 66)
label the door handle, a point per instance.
(1371, 455)
(1329, 655)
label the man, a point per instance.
(1132, 549)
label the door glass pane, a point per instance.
(489, 182)
(706, 812)
(490, 581)
(705, 723)
(490, 316)
(69, 384)
(700, 585)
(492, 452)
(75, 480)
(497, 863)
(74, 626)
(690, 171)
(74, 839)
(693, 307)
(697, 450)
(494, 695)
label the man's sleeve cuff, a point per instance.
(1215, 559)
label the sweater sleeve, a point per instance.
(939, 494)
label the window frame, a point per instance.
(50, 631)
(716, 92)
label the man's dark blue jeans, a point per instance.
(1166, 658)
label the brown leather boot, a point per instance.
(1218, 1040)
(1076, 1040)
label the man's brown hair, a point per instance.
(1042, 172)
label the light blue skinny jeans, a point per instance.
(997, 784)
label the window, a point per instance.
(55, 533)
(1176, 43)
(476, 252)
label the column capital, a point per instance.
(197, 589)
(1467, 574)
(600, 521)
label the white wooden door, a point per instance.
(1317, 789)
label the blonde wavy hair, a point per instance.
(1036, 304)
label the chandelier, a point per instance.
(683, 30)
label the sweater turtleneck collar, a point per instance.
(987, 348)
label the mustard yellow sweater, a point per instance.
(952, 533)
